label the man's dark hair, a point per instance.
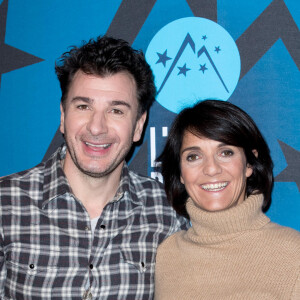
(224, 122)
(103, 57)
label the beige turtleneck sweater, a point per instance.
(232, 254)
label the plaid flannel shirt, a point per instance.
(47, 249)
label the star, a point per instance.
(203, 68)
(183, 70)
(204, 37)
(11, 58)
(163, 58)
(292, 172)
(217, 49)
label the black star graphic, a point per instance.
(292, 172)
(183, 70)
(217, 49)
(204, 37)
(203, 68)
(11, 58)
(163, 58)
(273, 24)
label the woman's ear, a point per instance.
(181, 179)
(249, 169)
(254, 151)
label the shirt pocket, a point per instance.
(31, 260)
(142, 261)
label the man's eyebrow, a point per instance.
(84, 99)
(112, 103)
(120, 103)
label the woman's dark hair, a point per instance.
(103, 57)
(224, 122)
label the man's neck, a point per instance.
(94, 193)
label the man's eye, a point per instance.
(192, 157)
(82, 107)
(116, 111)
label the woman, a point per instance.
(218, 172)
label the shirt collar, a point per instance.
(126, 187)
(55, 181)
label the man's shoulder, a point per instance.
(17, 189)
(145, 180)
(22, 176)
(151, 194)
(34, 174)
(147, 188)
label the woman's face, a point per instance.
(214, 174)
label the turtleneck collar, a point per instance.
(214, 227)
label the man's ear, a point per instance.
(62, 119)
(139, 127)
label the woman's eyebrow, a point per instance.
(190, 149)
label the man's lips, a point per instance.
(214, 187)
(98, 146)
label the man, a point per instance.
(81, 225)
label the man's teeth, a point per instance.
(98, 146)
(214, 186)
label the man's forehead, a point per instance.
(116, 88)
(121, 82)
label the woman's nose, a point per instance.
(211, 166)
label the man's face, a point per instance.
(100, 123)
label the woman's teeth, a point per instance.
(214, 186)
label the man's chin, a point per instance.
(96, 172)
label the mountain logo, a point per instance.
(193, 59)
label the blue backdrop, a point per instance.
(261, 76)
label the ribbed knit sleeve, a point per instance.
(296, 291)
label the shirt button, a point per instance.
(102, 226)
(87, 295)
(87, 228)
(31, 266)
(91, 266)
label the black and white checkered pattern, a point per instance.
(47, 247)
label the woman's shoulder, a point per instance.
(284, 230)
(283, 236)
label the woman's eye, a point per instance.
(192, 157)
(227, 153)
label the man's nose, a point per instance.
(97, 123)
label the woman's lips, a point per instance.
(214, 187)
